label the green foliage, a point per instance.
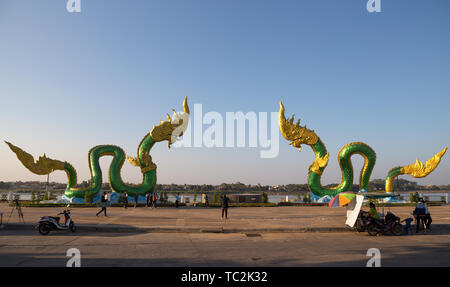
(37, 204)
(301, 204)
(163, 198)
(88, 197)
(241, 204)
(195, 196)
(5, 185)
(265, 197)
(84, 184)
(214, 199)
(33, 196)
(51, 195)
(414, 197)
(45, 195)
(307, 198)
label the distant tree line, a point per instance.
(238, 187)
(376, 184)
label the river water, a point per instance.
(183, 197)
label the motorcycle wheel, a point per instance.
(72, 226)
(397, 229)
(360, 227)
(44, 229)
(371, 229)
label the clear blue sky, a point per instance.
(106, 75)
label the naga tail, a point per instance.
(43, 165)
(417, 169)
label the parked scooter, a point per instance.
(391, 224)
(48, 223)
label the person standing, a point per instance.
(177, 199)
(206, 200)
(147, 199)
(422, 215)
(154, 200)
(428, 219)
(136, 198)
(125, 199)
(224, 205)
(103, 202)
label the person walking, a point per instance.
(154, 200)
(224, 205)
(136, 198)
(125, 199)
(147, 199)
(103, 202)
(177, 199)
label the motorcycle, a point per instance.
(391, 224)
(362, 221)
(48, 223)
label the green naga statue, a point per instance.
(298, 135)
(169, 130)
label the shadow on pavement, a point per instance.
(409, 256)
(418, 256)
(115, 230)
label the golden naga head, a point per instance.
(174, 127)
(295, 133)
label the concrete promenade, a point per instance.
(192, 219)
(252, 237)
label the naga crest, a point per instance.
(418, 169)
(173, 128)
(295, 133)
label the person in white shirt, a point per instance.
(422, 215)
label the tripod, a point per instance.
(19, 211)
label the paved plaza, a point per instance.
(191, 219)
(268, 236)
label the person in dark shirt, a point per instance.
(224, 206)
(103, 200)
(147, 199)
(206, 200)
(125, 199)
(177, 199)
